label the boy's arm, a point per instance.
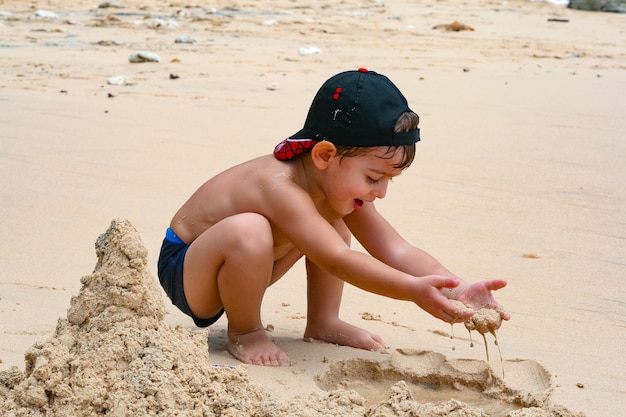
(295, 214)
(383, 242)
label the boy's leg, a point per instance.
(324, 293)
(230, 266)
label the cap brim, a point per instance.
(302, 134)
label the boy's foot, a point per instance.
(341, 333)
(256, 348)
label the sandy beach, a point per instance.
(519, 175)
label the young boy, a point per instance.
(244, 228)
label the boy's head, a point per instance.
(355, 109)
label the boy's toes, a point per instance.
(275, 362)
(374, 343)
(377, 346)
(255, 348)
(281, 360)
(268, 362)
(277, 359)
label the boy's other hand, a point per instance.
(478, 295)
(431, 299)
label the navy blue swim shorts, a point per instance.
(170, 270)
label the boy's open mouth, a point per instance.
(358, 203)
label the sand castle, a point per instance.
(113, 355)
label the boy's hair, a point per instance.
(354, 109)
(406, 122)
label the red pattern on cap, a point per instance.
(290, 148)
(338, 91)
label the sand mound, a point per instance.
(114, 356)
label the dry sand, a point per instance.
(519, 175)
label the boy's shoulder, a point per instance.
(267, 165)
(262, 170)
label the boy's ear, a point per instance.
(322, 153)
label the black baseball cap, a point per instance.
(356, 108)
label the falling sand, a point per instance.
(113, 355)
(485, 320)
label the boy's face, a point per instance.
(356, 180)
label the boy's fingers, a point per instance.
(448, 317)
(495, 284)
(462, 314)
(456, 316)
(446, 282)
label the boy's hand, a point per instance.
(478, 295)
(431, 299)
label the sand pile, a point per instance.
(114, 356)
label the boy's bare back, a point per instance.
(255, 186)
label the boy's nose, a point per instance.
(380, 190)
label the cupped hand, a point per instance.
(427, 294)
(478, 295)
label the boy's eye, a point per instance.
(372, 180)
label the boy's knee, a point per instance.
(251, 232)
